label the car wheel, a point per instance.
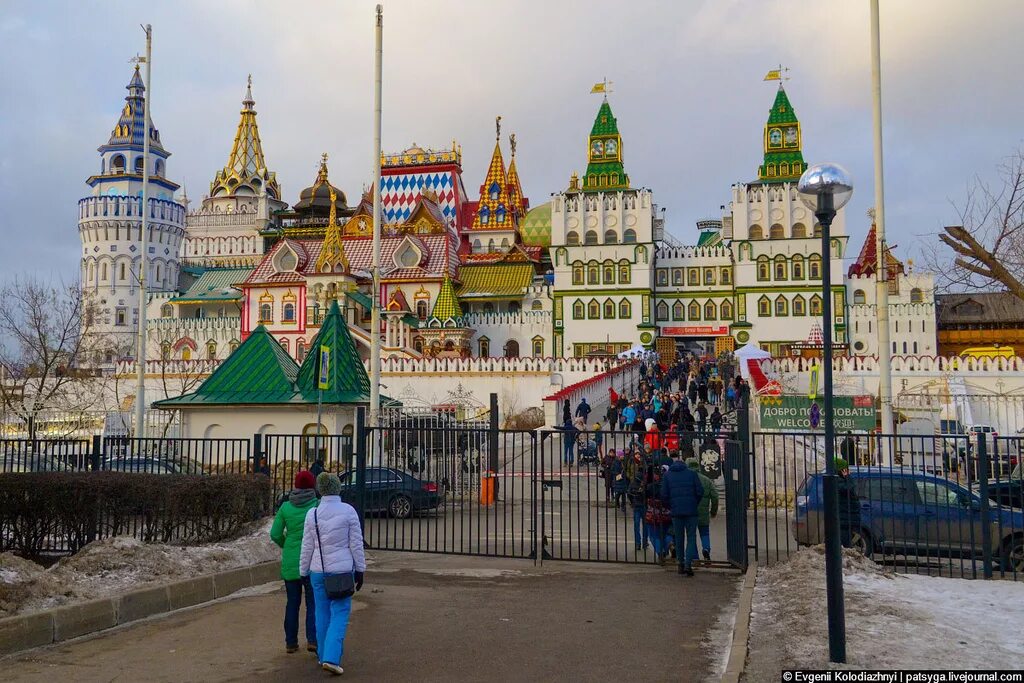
(1012, 554)
(861, 542)
(400, 507)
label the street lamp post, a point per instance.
(824, 189)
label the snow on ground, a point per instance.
(116, 565)
(892, 620)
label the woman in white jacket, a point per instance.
(332, 543)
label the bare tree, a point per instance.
(43, 336)
(989, 242)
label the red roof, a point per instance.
(867, 262)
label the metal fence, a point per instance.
(946, 505)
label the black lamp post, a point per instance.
(824, 189)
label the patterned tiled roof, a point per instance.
(498, 280)
(258, 372)
(246, 166)
(515, 189)
(605, 123)
(516, 252)
(398, 301)
(787, 155)
(536, 226)
(605, 172)
(130, 128)
(866, 264)
(495, 210)
(782, 110)
(447, 305)
(215, 284)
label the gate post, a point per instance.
(735, 505)
(492, 436)
(96, 452)
(361, 434)
(746, 451)
(257, 452)
(986, 516)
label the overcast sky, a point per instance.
(688, 95)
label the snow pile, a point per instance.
(116, 565)
(892, 621)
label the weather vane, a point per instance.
(497, 126)
(136, 60)
(605, 86)
(512, 143)
(777, 74)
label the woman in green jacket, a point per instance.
(287, 533)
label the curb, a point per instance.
(741, 629)
(36, 629)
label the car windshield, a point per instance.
(936, 494)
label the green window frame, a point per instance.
(764, 307)
(781, 306)
(578, 310)
(625, 309)
(693, 311)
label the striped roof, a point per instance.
(497, 280)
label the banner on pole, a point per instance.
(794, 413)
(323, 374)
(812, 393)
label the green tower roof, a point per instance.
(258, 372)
(782, 110)
(447, 305)
(605, 123)
(347, 381)
(783, 143)
(604, 154)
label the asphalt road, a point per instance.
(437, 618)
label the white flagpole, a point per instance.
(140, 353)
(375, 305)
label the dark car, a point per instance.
(911, 513)
(392, 491)
(141, 465)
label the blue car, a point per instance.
(911, 513)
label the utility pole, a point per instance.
(375, 304)
(140, 353)
(881, 270)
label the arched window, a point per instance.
(483, 347)
(693, 311)
(756, 232)
(165, 351)
(609, 309)
(710, 311)
(572, 238)
(578, 312)
(288, 313)
(513, 307)
(916, 296)
(725, 310)
(284, 345)
(139, 166)
(266, 312)
(103, 272)
(511, 349)
(608, 273)
(764, 307)
(796, 267)
(494, 191)
(417, 344)
(211, 350)
(610, 237)
(490, 246)
(677, 277)
(678, 310)
(590, 237)
(594, 310)
(816, 306)
(781, 271)
(121, 273)
(421, 309)
(300, 350)
(624, 272)
(314, 443)
(817, 229)
(117, 164)
(799, 230)
(537, 305)
(814, 267)
(488, 307)
(593, 273)
(661, 310)
(799, 305)
(625, 309)
(477, 246)
(167, 311)
(160, 168)
(859, 297)
(763, 269)
(776, 232)
(499, 215)
(629, 236)
(538, 347)
(186, 353)
(781, 306)
(577, 273)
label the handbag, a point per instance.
(337, 586)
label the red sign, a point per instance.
(696, 331)
(863, 401)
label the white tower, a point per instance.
(110, 225)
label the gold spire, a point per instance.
(246, 166)
(332, 257)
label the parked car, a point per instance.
(907, 512)
(141, 465)
(392, 491)
(30, 462)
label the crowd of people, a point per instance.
(647, 444)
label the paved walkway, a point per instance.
(437, 618)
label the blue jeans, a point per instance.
(331, 622)
(685, 529)
(657, 535)
(705, 537)
(638, 525)
(295, 589)
(569, 447)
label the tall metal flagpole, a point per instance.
(375, 310)
(140, 352)
(882, 283)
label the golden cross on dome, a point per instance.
(323, 158)
(497, 126)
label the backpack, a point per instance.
(635, 492)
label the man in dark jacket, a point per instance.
(583, 410)
(849, 504)
(682, 491)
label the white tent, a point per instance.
(747, 353)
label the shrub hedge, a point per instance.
(62, 511)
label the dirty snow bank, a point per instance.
(892, 620)
(120, 564)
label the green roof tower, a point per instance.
(604, 154)
(347, 380)
(783, 158)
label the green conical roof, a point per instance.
(605, 123)
(447, 305)
(783, 155)
(258, 372)
(782, 110)
(604, 168)
(347, 381)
